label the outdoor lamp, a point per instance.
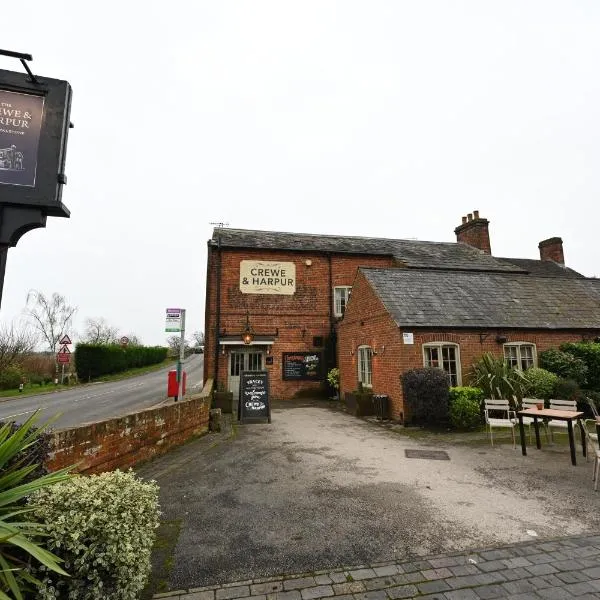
(247, 334)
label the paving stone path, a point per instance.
(557, 569)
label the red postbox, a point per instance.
(172, 387)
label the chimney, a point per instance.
(474, 232)
(552, 249)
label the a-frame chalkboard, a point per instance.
(254, 402)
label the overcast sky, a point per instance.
(375, 118)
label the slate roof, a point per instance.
(447, 299)
(413, 253)
(542, 268)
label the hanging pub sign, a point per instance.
(302, 366)
(254, 396)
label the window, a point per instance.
(520, 356)
(445, 357)
(365, 365)
(340, 299)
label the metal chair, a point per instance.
(527, 403)
(568, 405)
(591, 436)
(500, 407)
(596, 475)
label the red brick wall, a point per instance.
(297, 318)
(475, 233)
(366, 322)
(125, 441)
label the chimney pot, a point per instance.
(470, 217)
(476, 214)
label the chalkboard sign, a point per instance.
(302, 366)
(254, 396)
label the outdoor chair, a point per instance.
(596, 471)
(591, 436)
(527, 403)
(499, 414)
(568, 405)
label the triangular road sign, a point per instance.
(65, 340)
(64, 350)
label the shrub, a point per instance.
(497, 378)
(103, 527)
(566, 389)
(564, 364)
(95, 360)
(11, 377)
(426, 395)
(333, 377)
(589, 353)
(540, 383)
(21, 540)
(465, 407)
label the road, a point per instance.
(99, 401)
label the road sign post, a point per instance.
(175, 322)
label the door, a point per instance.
(243, 360)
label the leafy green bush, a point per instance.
(333, 377)
(465, 407)
(497, 378)
(567, 389)
(426, 395)
(540, 383)
(564, 364)
(95, 360)
(11, 377)
(103, 527)
(22, 542)
(589, 353)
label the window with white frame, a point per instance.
(340, 299)
(365, 365)
(445, 357)
(520, 355)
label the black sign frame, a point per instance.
(52, 146)
(245, 377)
(319, 373)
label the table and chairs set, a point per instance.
(561, 415)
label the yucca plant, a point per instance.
(498, 379)
(21, 539)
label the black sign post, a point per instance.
(34, 124)
(254, 402)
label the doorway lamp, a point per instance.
(247, 334)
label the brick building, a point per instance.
(275, 301)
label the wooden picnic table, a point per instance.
(556, 415)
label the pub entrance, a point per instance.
(243, 360)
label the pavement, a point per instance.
(99, 401)
(318, 490)
(553, 570)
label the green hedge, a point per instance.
(589, 353)
(95, 360)
(425, 396)
(466, 407)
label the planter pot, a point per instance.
(359, 405)
(224, 401)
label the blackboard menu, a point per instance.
(254, 395)
(302, 366)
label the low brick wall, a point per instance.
(122, 442)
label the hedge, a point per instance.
(589, 353)
(466, 407)
(426, 395)
(95, 360)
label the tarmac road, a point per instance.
(99, 401)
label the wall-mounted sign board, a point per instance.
(302, 366)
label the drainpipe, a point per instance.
(218, 312)
(332, 336)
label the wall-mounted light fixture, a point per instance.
(501, 339)
(247, 334)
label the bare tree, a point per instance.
(198, 338)
(173, 342)
(134, 340)
(52, 317)
(15, 344)
(98, 331)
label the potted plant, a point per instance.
(333, 378)
(360, 402)
(222, 399)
